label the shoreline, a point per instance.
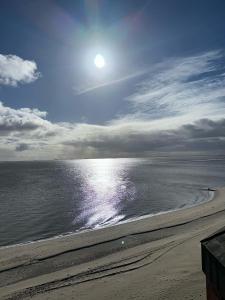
(134, 219)
(67, 264)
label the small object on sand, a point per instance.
(122, 242)
(211, 190)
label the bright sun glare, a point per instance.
(99, 61)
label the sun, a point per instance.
(99, 61)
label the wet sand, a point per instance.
(154, 258)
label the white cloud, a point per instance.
(192, 87)
(21, 119)
(14, 70)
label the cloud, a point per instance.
(116, 142)
(191, 87)
(21, 119)
(14, 70)
(30, 135)
(180, 107)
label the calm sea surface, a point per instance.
(42, 199)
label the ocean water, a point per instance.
(42, 199)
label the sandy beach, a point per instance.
(154, 258)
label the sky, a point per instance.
(162, 89)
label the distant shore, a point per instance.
(151, 258)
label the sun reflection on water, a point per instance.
(105, 187)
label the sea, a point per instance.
(44, 199)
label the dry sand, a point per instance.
(153, 258)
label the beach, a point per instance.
(155, 257)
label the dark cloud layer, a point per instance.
(202, 135)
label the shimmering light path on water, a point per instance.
(48, 198)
